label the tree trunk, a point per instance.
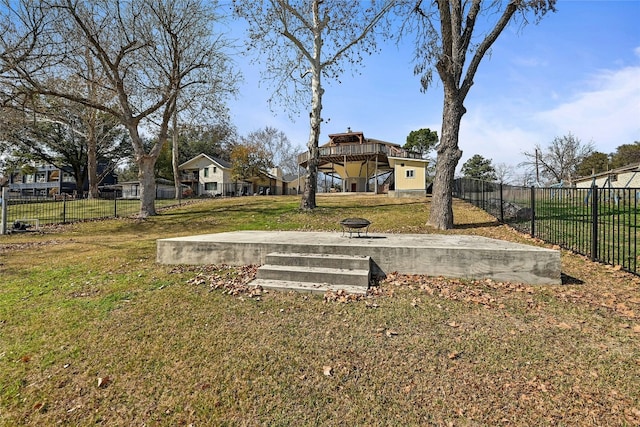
(441, 216)
(92, 160)
(315, 117)
(147, 186)
(310, 182)
(92, 137)
(174, 159)
(80, 176)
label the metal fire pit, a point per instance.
(355, 225)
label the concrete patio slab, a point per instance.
(453, 256)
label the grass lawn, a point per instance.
(94, 332)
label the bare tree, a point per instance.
(560, 160)
(203, 103)
(307, 41)
(56, 131)
(277, 147)
(504, 173)
(21, 29)
(147, 50)
(445, 41)
(27, 44)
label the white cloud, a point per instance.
(494, 138)
(607, 114)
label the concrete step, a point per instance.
(312, 287)
(332, 276)
(352, 262)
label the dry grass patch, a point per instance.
(181, 346)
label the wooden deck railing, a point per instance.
(361, 149)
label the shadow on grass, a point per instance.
(570, 280)
(476, 225)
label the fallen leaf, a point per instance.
(454, 355)
(636, 329)
(563, 325)
(454, 324)
(103, 381)
(391, 333)
(327, 370)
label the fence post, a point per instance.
(533, 211)
(115, 204)
(501, 204)
(594, 222)
(64, 210)
(3, 211)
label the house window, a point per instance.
(410, 173)
(211, 186)
(215, 169)
(206, 172)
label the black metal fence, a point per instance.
(30, 213)
(601, 223)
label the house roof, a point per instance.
(350, 137)
(634, 167)
(393, 160)
(221, 163)
(290, 177)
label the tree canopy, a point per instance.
(248, 160)
(422, 141)
(595, 162)
(626, 154)
(479, 167)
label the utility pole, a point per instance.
(3, 210)
(537, 169)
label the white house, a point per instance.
(624, 177)
(207, 175)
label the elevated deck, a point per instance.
(454, 256)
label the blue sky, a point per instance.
(576, 71)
